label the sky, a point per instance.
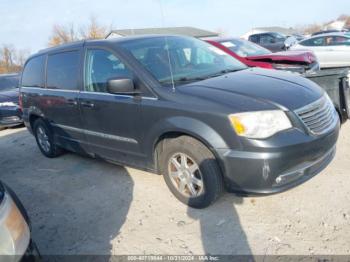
(27, 24)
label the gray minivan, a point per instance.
(182, 108)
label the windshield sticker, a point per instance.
(228, 44)
(216, 50)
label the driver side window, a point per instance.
(101, 66)
(319, 41)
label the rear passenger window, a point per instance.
(33, 73)
(101, 66)
(63, 70)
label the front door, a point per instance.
(339, 50)
(110, 120)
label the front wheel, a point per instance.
(191, 171)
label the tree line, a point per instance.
(12, 59)
(312, 28)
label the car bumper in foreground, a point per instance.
(20, 222)
(32, 254)
(272, 169)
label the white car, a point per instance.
(331, 50)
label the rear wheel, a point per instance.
(191, 171)
(44, 139)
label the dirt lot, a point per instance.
(80, 205)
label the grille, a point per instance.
(319, 117)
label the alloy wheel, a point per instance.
(43, 139)
(185, 175)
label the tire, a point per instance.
(51, 150)
(178, 160)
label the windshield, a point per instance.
(279, 36)
(244, 48)
(8, 82)
(183, 58)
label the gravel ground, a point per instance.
(80, 205)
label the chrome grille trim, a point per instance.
(319, 117)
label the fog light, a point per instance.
(289, 177)
(278, 180)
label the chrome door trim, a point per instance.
(98, 134)
(116, 95)
(50, 89)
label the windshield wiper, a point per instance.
(224, 72)
(200, 78)
(183, 80)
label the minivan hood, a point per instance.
(282, 89)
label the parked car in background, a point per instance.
(10, 112)
(329, 31)
(182, 108)
(15, 240)
(273, 41)
(254, 55)
(299, 37)
(332, 50)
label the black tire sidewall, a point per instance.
(41, 123)
(211, 174)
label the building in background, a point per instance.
(187, 31)
(335, 25)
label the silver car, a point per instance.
(332, 50)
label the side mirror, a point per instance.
(121, 86)
(273, 41)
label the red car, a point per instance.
(256, 56)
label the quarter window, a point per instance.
(33, 73)
(63, 70)
(101, 66)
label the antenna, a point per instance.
(167, 47)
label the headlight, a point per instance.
(8, 104)
(14, 231)
(291, 68)
(260, 124)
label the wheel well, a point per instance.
(340, 115)
(32, 119)
(159, 146)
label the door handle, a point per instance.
(87, 104)
(72, 102)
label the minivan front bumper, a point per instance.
(270, 168)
